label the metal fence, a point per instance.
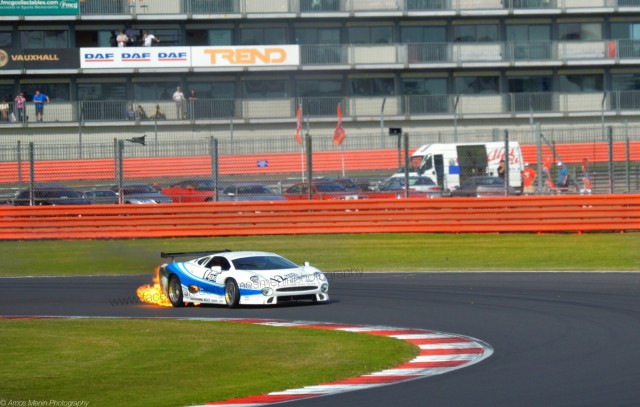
(195, 167)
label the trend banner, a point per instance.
(189, 57)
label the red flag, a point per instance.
(299, 127)
(339, 133)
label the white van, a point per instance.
(449, 164)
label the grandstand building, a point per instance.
(420, 65)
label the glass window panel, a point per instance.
(381, 35)
(359, 35)
(101, 91)
(57, 92)
(477, 85)
(44, 39)
(213, 90)
(591, 32)
(569, 31)
(487, 33)
(581, 83)
(153, 90)
(261, 89)
(263, 36)
(319, 88)
(464, 33)
(220, 37)
(5, 39)
(318, 36)
(424, 86)
(372, 87)
(419, 35)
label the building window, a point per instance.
(625, 82)
(372, 87)
(581, 83)
(44, 39)
(475, 33)
(370, 35)
(263, 36)
(6, 39)
(475, 85)
(423, 34)
(57, 92)
(307, 36)
(580, 32)
(625, 31)
(265, 89)
(154, 90)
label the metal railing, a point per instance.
(159, 112)
(244, 7)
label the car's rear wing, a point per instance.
(172, 256)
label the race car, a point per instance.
(235, 278)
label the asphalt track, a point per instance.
(559, 339)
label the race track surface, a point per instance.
(559, 339)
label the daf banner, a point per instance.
(134, 57)
(189, 57)
(18, 59)
(39, 7)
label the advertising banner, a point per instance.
(39, 7)
(135, 57)
(255, 55)
(186, 57)
(18, 59)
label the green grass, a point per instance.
(366, 252)
(172, 363)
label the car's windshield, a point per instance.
(252, 189)
(263, 263)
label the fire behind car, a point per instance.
(51, 195)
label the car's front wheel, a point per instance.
(231, 293)
(175, 292)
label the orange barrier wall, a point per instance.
(277, 163)
(594, 213)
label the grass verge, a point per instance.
(365, 252)
(115, 362)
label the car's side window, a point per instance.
(219, 261)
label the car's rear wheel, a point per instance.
(175, 292)
(231, 293)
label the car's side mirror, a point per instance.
(307, 264)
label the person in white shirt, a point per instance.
(122, 39)
(179, 98)
(149, 39)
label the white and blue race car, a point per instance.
(242, 277)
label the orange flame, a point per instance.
(152, 293)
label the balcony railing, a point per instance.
(328, 7)
(135, 112)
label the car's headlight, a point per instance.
(267, 291)
(320, 276)
(324, 288)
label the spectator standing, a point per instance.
(193, 97)
(149, 39)
(528, 179)
(4, 109)
(501, 169)
(20, 100)
(178, 98)
(563, 176)
(40, 99)
(122, 39)
(586, 180)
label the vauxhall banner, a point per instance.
(39, 7)
(18, 58)
(189, 57)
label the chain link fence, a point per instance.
(156, 167)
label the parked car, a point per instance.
(418, 186)
(193, 190)
(482, 186)
(249, 192)
(101, 196)
(51, 195)
(348, 183)
(321, 190)
(141, 194)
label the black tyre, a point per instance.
(175, 292)
(231, 293)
